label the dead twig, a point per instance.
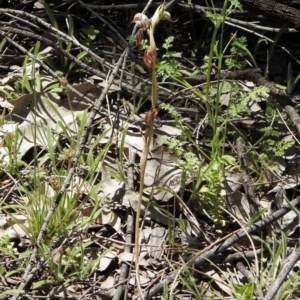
(129, 229)
(202, 259)
(247, 181)
(294, 257)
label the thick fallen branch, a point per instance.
(269, 8)
(202, 259)
(294, 257)
(275, 10)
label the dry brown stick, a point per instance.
(242, 268)
(247, 181)
(275, 10)
(129, 229)
(117, 37)
(50, 28)
(293, 258)
(204, 257)
(113, 7)
(72, 58)
(249, 276)
(242, 255)
(203, 9)
(65, 37)
(45, 67)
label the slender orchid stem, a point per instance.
(145, 24)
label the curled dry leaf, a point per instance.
(106, 217)
(107, 288)
(221, 282)
(15, 232)
(106, 260)
(156, 240)
(144, 280)
(129, 257)
(188, 240)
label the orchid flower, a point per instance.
(143, 23)
(148, 25)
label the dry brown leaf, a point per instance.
(106, 260)
(130, 257)
(218, 281)
(32, 114)
(156, 241)
(107, 289)
(15, 232)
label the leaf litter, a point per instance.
(33, 116)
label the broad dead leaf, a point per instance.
(106, 217)
(32, 114)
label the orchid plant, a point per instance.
(147, 25)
